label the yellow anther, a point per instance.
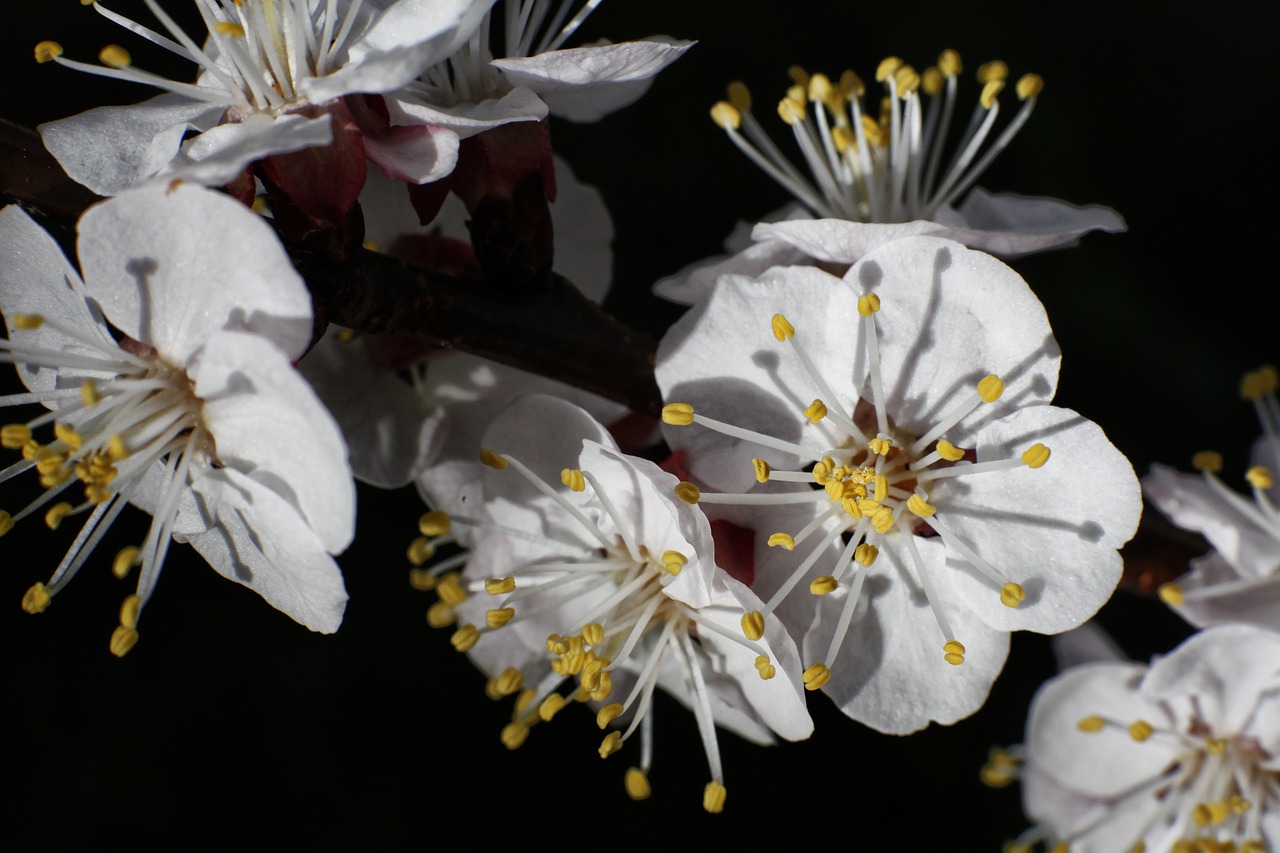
(612, 743)
(865, 554)
(1171, 593)
(29, 322)
(434, 523)
(1209, 461)
(1011, 595)
(1091, 724)
(608, 714)
(1201, 815)
(844, 138)
(550, 707)
(949, 63)
(739, 96)
(510, 681)
(593, 634)
(450, 590)
(713, 797)
(674, 561)
(868, 304)
(440, 615)
(677, 414)
(1029, 86)
(880, 446)
(14, 436)
(499, 586)
(726, 115)
(949, 451)
(420, 550)
(1035, 456)
(882, 519)
(68, 436)
(6, 522)
(37, 598)
(791, 111)
(920, 507)
(1219, 811)
(422, 580)
(782, 328)
(990, 388)
(815, 676)
(492, 459)
(116, 449)
(514, 734)
(1239, 804)
(816, 411)
(932, 81)
(31, 451)
(753, 625)
(523, 700)
(835, 489)
(56, 513)
(850, 505)
(687, 492)
(762, 470)
(126, 559)
(1258, 383)
(1140, 730)
(905, 81)
(819, 88)
(851, 86)
(47, 50)
(122, 640)
(229, 28)
(995, 70)
(465, 637)
(876, 135)
(782, 540)
(604, 687)
(89, 392)
(115, 56)
(556, 644)
(1000, 770)
(498, 617)
(953, 652)
(798, 76)
(130, 610)
(1253, 845)
(880, 487)
(765, 667)
(989, 93)
(823, 585)
(887, 67)
(1259, 477)
(637, 784)
(573, 478)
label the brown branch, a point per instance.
(554, 330)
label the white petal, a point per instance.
(1010, 225)
(840, 241)
(467, 119)
(1086, 644)
(110, 149)
(261, 542)
(171, 267)
(1214, 593)
(219, 155)
(267, 423)
(583, 234)
(420, 156)
(693, 283)
(588, 83)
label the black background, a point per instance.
(229, 725)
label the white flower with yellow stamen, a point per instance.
(190, 409)
(914, 392)
(1239, 581)
(588, 580)
(1182, 755)
(268, 73)
(873, 178)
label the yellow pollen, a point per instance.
(122, 640)
(440, 615)
(6, 522)
(46, 51)
(1029, 86)
(514, 734)
(36, 599)
(435, 523)
(612, 743)
(510, 681)
(765, 667)
(762, 470)
(713, 797)
(798, 76)
(673, 562)
(499, 617)
(844, 138)
(949, 451)
(782, 540)
(523, 700)
(116, 449)
(492, 459)
(995, 70)
(880, 446)
(753, 625)
(89, 392)
(130, 610)
(31, 451)
(422, 580)
(835, 489)
(739, 96)
(782, 328)
(1011, 595)
(593, 634)
(823, 585)
(905, 81)
(865, 554)
(1140, 730)
(887, 67)
(797, 92)
(608, 714)
(1259, 477)
(1171, 593)
(1035, 456)
(573, 478)
(726, 115)
(550, 707)
(819, 88)
(687, 492)
(420, 550)
(126, 559)
(953, 652)
(1001, 768)
(1258, 383)
(815, 676)
(880, 487)
(920, 507)
(949, 63)
(450, 590)
(882, 520)
(932, 81)
(816, 411)
(1209, 461)
(677, 414)
(791, 111)
(868, 304)
(989, 93)
(14, 436)
(229, 28)
(850, 506)
(56, 513)
(68, 436)
(115, 56)
(851, 86)
(990, 388)
(499, 586)
(637, 784)
(1091, 724)
(465, 638)
(604, 686)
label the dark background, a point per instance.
(229, 725)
